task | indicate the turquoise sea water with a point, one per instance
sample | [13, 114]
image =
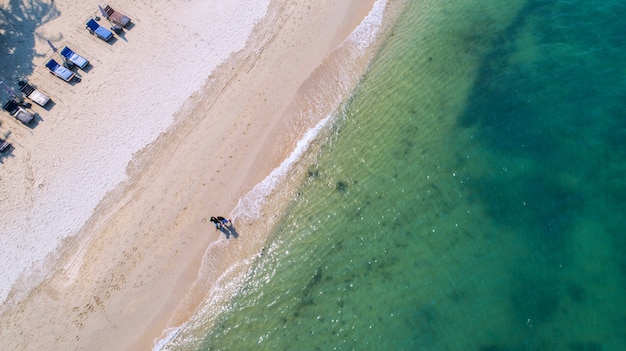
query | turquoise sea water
[470, 196]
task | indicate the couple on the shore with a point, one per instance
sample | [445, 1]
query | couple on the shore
[221, 222]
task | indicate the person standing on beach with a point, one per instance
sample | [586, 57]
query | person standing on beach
[224, 221]
[216, 222]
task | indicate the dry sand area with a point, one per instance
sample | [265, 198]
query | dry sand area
[173, 122]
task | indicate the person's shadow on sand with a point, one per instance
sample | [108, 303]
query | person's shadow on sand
[229, 230]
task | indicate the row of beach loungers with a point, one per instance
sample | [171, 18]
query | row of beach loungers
[18, 109]
[72, 59]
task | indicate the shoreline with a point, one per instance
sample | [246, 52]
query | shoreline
[352, 58]
[143, 252]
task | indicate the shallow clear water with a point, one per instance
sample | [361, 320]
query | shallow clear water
[470, 196]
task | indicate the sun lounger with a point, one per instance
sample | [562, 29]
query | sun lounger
[99, 30]
[74, 58]
[14, 108]
[116, 17]
[4, 146]
[60, 71]
[35, 95]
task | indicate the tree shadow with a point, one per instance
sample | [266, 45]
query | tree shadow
[19, 19]
[8, 151]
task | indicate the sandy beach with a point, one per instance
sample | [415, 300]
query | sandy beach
[106, 198]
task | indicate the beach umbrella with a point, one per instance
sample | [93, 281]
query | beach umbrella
[104, 14]
[9, 90]
[51, 46]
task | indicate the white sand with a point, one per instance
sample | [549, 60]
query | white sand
[62, 168]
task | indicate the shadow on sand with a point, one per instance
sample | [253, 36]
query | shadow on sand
[229, 230]
[18, 36]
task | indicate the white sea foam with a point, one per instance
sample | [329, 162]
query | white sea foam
[249, 206]
[366, 33]
[166, 337]
[223, 289]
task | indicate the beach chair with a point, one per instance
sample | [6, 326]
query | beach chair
[94, 28]
[4, 146]
[74, 58]
[116, 17]
[14, 109]
[59, 71]
[35, 95]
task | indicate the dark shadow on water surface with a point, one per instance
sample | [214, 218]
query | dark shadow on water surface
[552, 134]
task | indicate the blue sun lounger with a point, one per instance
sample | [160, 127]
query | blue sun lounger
[98, 30]
[74, 58]
[60, 71]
